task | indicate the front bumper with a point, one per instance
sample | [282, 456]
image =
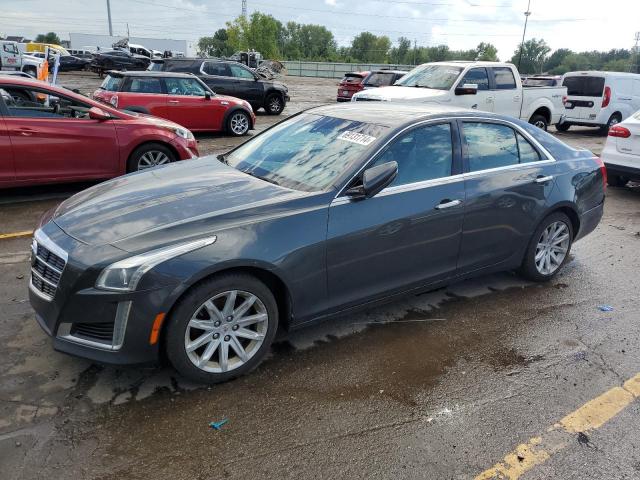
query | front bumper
[104, 326]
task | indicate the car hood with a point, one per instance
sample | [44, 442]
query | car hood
[399, 93]
[182, 200]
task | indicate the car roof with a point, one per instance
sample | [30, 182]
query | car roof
[392, 114]
[601, 73]
[382, 70]
[148, 73]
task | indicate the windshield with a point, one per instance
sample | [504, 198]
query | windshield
[307, 152]
[379, 79]
[111, 84]
[439, 77]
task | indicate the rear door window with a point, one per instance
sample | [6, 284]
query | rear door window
[145, 85]
[503, 78]
[477, 76]
[184, 86]
[489, 145]
[424, 153]
[584, 86]
[240, 72]
[216, 68]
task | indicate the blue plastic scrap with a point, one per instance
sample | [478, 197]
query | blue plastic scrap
[218, 425]
[605, 308]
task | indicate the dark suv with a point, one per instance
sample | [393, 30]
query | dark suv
[230, 78]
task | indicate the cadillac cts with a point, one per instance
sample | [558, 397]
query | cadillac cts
[330, 210]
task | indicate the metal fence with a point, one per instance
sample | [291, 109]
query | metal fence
[335, 70]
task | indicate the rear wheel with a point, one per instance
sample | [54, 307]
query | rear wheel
[563, 127]
[613, 120]
[222, 328]
[548, 248]
[150, 155]
[616, 181]
[238, 123]
[539, 121]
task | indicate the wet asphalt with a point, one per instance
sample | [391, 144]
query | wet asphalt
[440, 385]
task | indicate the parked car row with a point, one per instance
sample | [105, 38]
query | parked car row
[356, 81]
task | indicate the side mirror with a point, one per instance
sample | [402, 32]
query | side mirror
[96, 113]
[207, 95]
[467, 89]
[374, 179]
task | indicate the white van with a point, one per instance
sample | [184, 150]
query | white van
[599, 99]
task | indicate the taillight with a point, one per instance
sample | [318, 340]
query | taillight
[607, 97]
[564, 99]
[603, 170]
[114, 101]
[619, 131]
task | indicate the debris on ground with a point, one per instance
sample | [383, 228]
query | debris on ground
[218, 425]
[20, 277]
[605, 308]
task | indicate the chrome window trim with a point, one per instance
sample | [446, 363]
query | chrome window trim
[341, 199]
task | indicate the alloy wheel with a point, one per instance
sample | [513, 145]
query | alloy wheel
[540, 124]
[552, 247]
[239, 123]
[226, 331]
[275, 105]
[152, 158]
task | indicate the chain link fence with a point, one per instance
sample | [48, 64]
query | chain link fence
[335, 70]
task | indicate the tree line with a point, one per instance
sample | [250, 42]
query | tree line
[295, 41]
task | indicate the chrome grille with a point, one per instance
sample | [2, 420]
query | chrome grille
[46, 266]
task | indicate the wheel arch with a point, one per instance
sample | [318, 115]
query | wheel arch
[271, 279]
[570, 211]
[149, 142]
[544, 111]
[233, 109]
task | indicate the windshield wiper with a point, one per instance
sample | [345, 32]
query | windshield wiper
[270, 180]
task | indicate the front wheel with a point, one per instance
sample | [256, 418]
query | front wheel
[150, 155]
[539, 121]
[563, 127]
[548, 248]
[222, 328]
[274, 104]
[238, 123]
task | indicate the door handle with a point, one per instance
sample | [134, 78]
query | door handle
[26, 132]
[542, 179]
[174, 101]
[448, 204]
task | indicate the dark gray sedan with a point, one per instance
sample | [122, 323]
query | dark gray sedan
[330, 210]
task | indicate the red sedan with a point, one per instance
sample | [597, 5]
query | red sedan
[52, 135]
[350, 84]
[179, 97]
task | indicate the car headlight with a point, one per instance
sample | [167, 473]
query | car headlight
[182, 132]
[124, 276]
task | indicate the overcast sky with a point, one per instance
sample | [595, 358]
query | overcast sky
[461, 24]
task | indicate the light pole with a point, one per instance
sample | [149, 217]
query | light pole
[526, 19]
[109, 17]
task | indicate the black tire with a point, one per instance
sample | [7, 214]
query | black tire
[187, 307]
[616, 181]
[528, 269]
[136, 158]
[274, 104]
[539, 121]
[563, 127]
[613, 120]
[238, 123]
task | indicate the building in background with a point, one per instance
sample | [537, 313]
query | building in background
[91, 41]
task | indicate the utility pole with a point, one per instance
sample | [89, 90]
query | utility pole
[128, 30]
[526, 18]
[109, 16]
[244, 9]
[415, 50]
[634, 67]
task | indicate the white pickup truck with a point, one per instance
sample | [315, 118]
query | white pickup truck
[488, 86]
[12, 59]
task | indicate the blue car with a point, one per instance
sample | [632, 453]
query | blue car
[333, 209]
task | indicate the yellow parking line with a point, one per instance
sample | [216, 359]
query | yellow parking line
[590, 416]
[25, 233]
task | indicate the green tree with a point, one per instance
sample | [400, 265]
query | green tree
[531, 56]
[259, 32]
[556, 59]
[367, 47]
[402, 54]
[50, 37]
[217, 45]
[486, 52]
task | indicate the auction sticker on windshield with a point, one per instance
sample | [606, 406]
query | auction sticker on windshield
[355, 137]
